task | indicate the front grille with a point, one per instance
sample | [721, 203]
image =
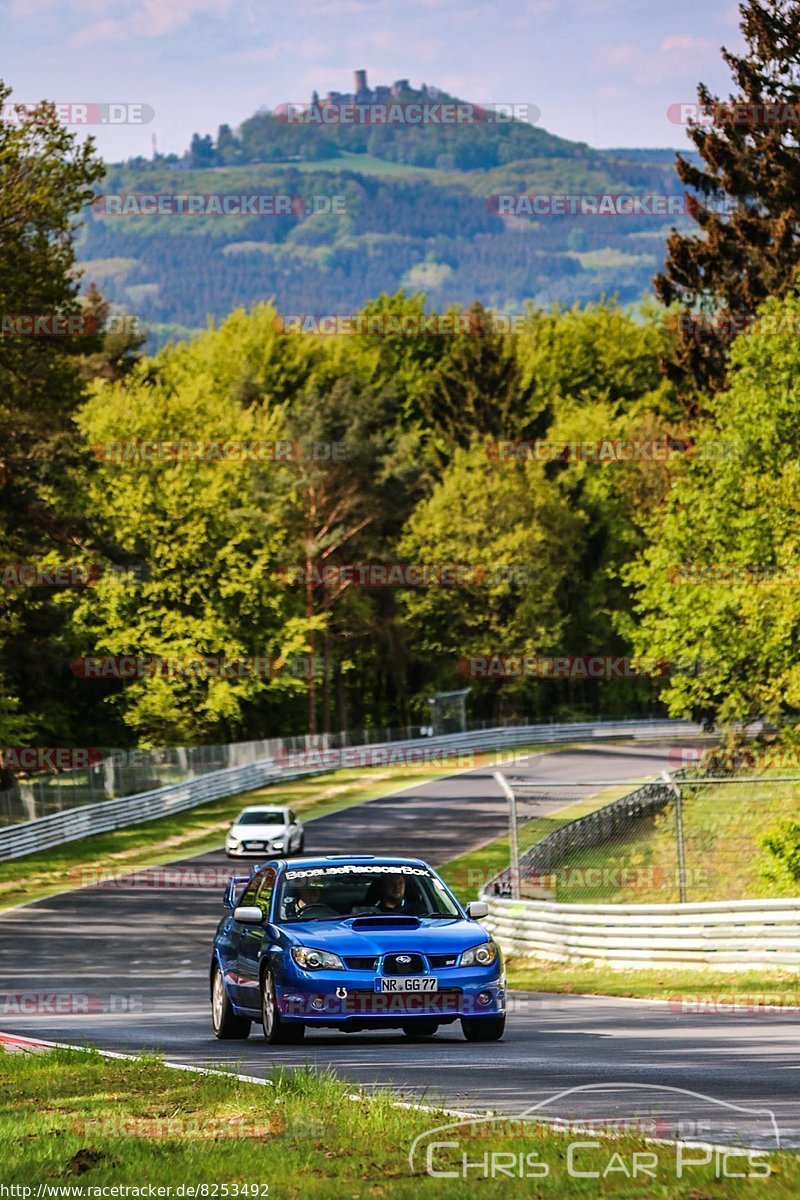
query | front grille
[361, 962]
[361, 1003]
[442, 960]
[393, 966]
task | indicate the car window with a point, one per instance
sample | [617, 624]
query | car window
[335, 893]
[266, 888]
[266, 816]
[249, 897]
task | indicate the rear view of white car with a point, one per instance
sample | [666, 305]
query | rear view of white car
[259, 831]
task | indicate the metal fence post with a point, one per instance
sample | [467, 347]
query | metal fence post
[513, 839]
[665, 775]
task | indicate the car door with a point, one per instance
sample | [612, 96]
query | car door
[252, 938]
[236, 933]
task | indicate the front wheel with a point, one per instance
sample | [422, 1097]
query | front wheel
[483, 1029]
[277, 1031]
[225, 1021]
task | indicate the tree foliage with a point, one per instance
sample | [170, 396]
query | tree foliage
[748, 194]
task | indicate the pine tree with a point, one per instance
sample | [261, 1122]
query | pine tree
[113, 343]
[748, 188]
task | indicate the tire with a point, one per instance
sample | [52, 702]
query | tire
[277, 1031]
[301, 845]
[483, 1029]
[225, 1021]
[420, 1031]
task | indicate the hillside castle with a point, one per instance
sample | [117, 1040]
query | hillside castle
[364, 94]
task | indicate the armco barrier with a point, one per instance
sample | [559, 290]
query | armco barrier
[101, 816]
[68, 826]
[730, 935]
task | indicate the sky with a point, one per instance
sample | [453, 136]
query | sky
[599, 71]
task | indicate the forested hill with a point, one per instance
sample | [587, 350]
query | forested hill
[415, 212]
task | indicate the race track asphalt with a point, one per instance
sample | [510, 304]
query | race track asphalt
[125, 967]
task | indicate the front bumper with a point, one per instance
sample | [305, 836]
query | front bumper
[351, 999]
[240, 852]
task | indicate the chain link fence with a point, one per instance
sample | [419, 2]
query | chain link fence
[689, 837]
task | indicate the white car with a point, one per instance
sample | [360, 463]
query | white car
[265, 832]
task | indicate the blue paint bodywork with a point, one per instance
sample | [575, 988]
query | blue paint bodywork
[352, 998]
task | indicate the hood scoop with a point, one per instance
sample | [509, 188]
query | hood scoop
[386, 921]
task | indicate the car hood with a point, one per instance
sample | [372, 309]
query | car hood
[438, 936]
[257, 831]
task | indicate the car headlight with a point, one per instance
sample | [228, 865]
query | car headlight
[479, 956]
[316, 960]
[231, 840]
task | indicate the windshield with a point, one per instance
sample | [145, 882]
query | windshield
[264, 816]
[352, 890]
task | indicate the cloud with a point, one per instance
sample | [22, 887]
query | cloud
[149, 19]
[678, 56]
[685, 41]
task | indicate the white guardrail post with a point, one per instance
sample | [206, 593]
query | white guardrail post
[513, 834]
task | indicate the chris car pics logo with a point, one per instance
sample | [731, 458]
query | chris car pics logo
[677, 1134]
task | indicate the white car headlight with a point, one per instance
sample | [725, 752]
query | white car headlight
[479, 956]
[231, 840]
[316, 960]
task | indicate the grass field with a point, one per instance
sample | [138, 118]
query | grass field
[757, 990]
[75, 1119]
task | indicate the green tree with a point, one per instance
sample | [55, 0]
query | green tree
[716, 584]
[750, 159]
[510, 525]
[46, 179]
[209, 534]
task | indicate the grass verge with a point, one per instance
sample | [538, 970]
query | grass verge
[76, 1118]
[756, 991]
[202, 829]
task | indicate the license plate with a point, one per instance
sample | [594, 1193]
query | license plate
[409, 983]
[255, 846]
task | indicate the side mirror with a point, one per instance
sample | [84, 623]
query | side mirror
[477, 909]
[231, 888]
[248, 914]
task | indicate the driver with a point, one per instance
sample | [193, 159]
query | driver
[393, 894]
[304, 898]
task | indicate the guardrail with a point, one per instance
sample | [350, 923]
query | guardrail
[727, 934]
[98, 817]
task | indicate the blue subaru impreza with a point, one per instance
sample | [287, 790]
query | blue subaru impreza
[353, 942]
